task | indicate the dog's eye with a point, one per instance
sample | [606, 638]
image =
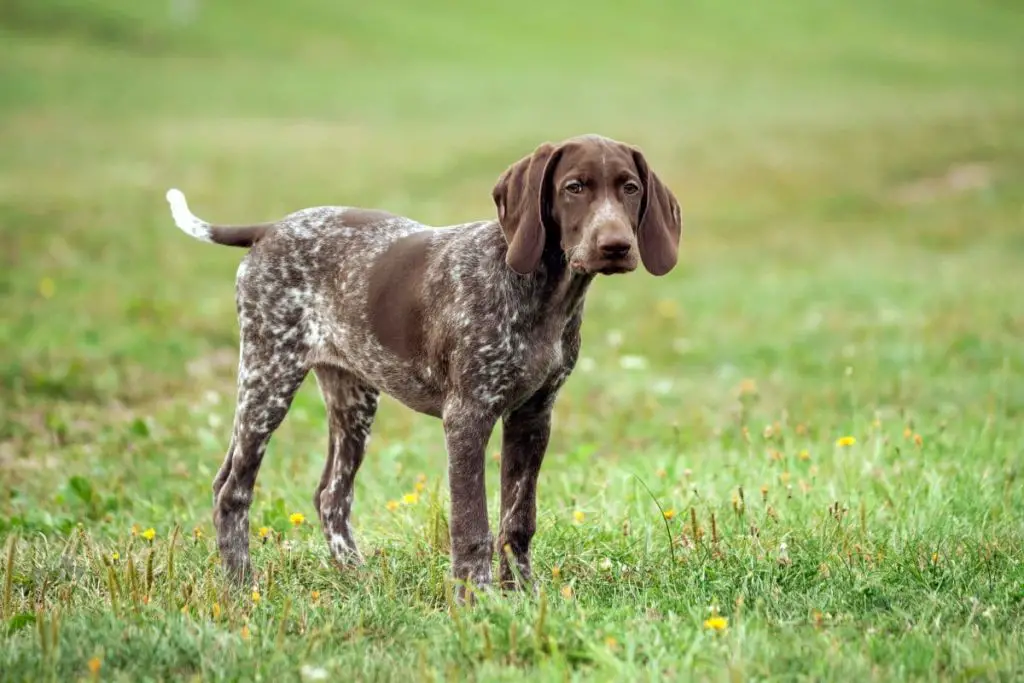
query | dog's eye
[574, 187]
[630, 187]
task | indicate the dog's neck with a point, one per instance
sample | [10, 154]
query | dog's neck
[553, 288]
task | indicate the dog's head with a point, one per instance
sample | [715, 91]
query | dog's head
[597, 199]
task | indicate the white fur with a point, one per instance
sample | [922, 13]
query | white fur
[185, 219]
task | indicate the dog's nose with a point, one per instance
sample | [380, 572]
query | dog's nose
[613, 246]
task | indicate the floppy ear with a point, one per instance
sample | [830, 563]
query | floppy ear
[660, 221]
[522, 196]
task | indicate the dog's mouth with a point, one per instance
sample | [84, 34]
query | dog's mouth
[602, 267]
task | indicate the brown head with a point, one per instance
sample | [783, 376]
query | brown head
[597, 200]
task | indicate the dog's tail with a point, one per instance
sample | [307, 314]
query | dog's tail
[227, 235]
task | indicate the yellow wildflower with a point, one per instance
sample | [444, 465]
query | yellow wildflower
[391, 505]
[716, 623]
[215, 611]
[907, 432]
[804, 455]
[245, 632]
[315, 595]
[149, 534]
[419, 486]
[411, 498]
[578, 516]
[197, 533]
[661, 473]
[256, 597]
[296, 518]
[670, 513]
[666, 308]
[567, 592]
[844, 441]
[264, 532]
[94, 665]
[918, 440]
[611, 643]
[784, 477]
[556, 572]
[935, 558]
[135, 529]
[115, 556]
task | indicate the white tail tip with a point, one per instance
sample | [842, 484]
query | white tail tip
[184, 219]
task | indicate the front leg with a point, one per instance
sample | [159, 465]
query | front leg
[467, 428]
[524, 441]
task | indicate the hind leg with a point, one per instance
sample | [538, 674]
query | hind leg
[272, 364]
[351, 407]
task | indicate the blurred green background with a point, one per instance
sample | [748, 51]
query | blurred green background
[852, 183]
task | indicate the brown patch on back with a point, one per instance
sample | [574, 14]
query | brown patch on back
[395, 295]
[360, 218]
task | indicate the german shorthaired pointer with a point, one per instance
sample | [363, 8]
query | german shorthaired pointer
[470, 324]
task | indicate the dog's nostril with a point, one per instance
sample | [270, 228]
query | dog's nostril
[613, 247]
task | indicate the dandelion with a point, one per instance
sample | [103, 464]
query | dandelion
[611, 643]
[935, 558]
[907, 432]
[845, 441]
[256, 597]
[245, 632]
[804, 455]
[115, 556]
[411, 498]
[918, 440]
[215, 610]
[716, 623]
[670, 513]
[94, 665]
[567, 592]
[578, 516]
[149, 534]
[748, 387]
[764, 492]
[315, 595]
[197, 533]
[556, 572]
[419, 486]
[784, 477]
[264, 532]
[296, 518]
[391, 505]
[135, 529]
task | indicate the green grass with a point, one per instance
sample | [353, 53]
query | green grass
[852, 180]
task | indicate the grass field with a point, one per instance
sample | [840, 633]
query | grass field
[813, 428]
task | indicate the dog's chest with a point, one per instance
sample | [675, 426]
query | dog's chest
[510, 365]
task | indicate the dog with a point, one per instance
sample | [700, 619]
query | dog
[470, 324]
